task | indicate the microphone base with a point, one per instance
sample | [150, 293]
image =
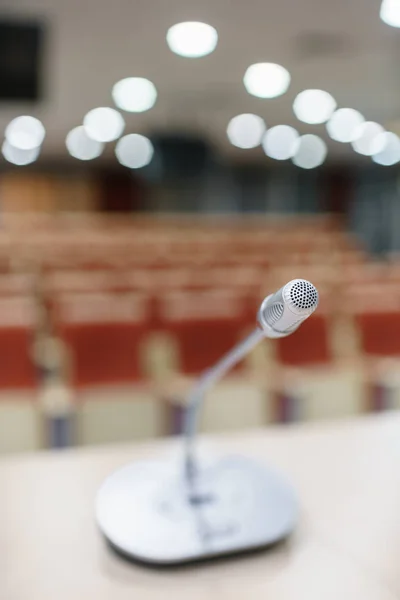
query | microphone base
[147, 512]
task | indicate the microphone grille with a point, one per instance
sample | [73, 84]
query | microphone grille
[303, 295]
[274, 313]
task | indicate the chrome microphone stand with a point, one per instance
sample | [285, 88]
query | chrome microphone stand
[196, 397]
[161, 514]
[213, 375]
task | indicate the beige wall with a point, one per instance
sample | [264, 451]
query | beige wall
[35, 192]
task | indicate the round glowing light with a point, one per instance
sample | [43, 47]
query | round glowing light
[280, 142]
[266, 80]
[390, 12]
[310, 152]
[314, 106]
[17, 156]
[365, 138]
[25, 133]
[246, 131]
[389, 153]
[343, 124]
[134, 94]
[134, 151]
[81, 146]
[104, 124]
[192, 39]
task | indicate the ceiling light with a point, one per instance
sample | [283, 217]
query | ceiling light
[104, 124]
[25, 133]
[246, 131]
[365, 136]
[280, 142]
[19, 157]
[310, 152]
[134, 151]
[266, 80]
[81, 146]
[343, 124]
[314, 106]
[390, 12]
[389, 153]
[192, 39]
[134, 94]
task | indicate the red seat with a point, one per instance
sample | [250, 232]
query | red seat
[17, 319]
[380, 333]
[309, 346]
[376, 308]
[104, 333]
[16, 284]
[74, 281]
[206, 324]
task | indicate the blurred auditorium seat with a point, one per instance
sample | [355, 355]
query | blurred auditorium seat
[104, 333]
[16, 284]
[206, 325]
[102, 275]
[376, 308]
[74, 281]
[311, 383]
[20, 422]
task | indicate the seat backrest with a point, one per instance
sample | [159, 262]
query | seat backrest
[17, 325]
[376, 309]
[75, 281]
[16, 284]
[104, 333]
[380, 332]
[206, 324]
[308, 346]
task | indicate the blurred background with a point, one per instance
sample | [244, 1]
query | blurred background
[164, 167]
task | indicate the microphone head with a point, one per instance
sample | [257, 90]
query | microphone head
[301, 296]
[283, 312]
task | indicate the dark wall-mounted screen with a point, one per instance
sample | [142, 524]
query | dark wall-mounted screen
[21, 46]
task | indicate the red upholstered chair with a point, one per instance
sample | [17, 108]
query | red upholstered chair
[311, 378]
[17, 321]
[376, 310]
[206, 325]
[380, 331]
[104, 334]
[309, 347]
[372, 275]
[16, 284]
[156, 280]
[77, 281]
[19, 414]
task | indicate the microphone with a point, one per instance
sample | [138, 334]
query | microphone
[280, 314]
[160, 514]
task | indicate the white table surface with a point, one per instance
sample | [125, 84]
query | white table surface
[346, 546]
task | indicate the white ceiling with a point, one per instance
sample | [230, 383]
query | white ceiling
[94, 43]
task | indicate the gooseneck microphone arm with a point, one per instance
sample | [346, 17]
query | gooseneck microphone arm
[280, 315]
[196, 397]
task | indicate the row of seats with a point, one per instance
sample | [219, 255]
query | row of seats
[252, 279]
[105, 335]
[108, 242]
[124, 379]
[374, 306]
[82, 259]
[108, 333]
